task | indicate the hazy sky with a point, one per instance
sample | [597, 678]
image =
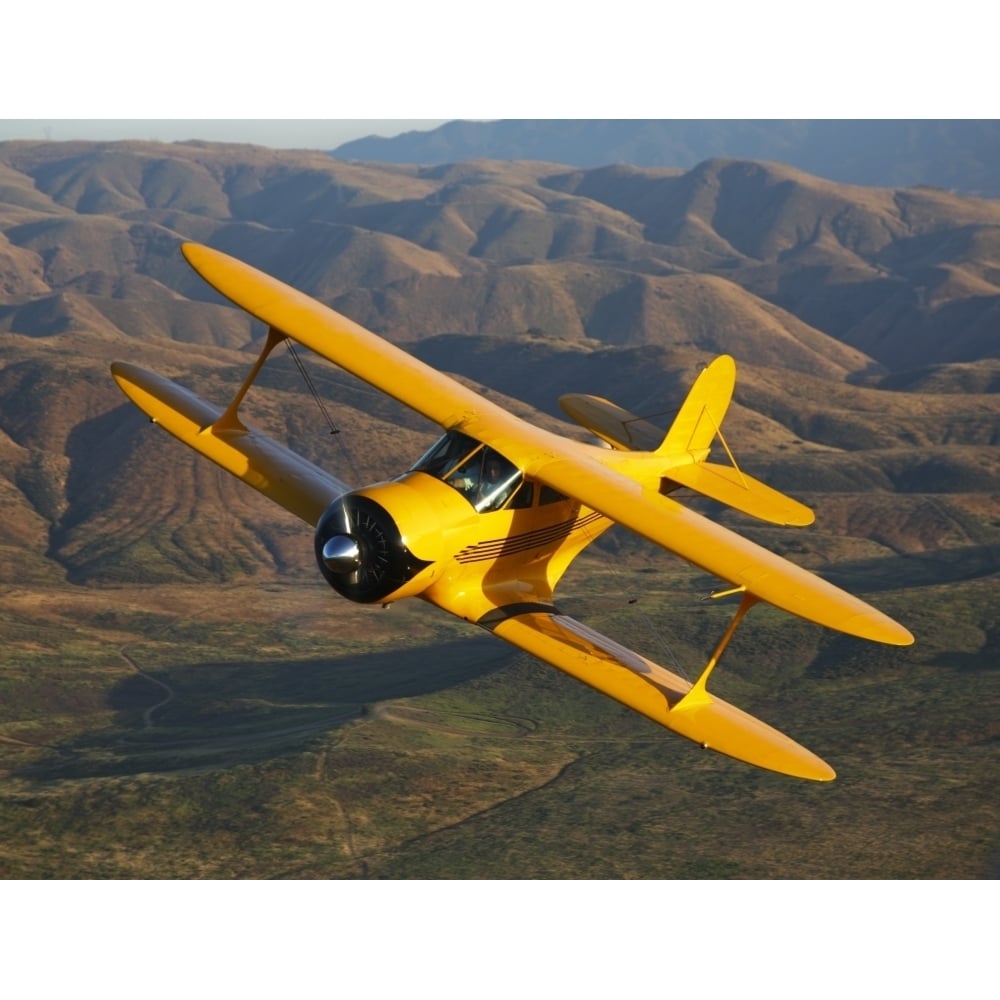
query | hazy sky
[296, 133]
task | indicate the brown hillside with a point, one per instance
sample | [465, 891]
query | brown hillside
[527, 279]
[183, 696]
[905, 276]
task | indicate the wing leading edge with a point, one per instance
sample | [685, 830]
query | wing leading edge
[719, 551]
[270, 468]
[342, 341]
[657, 693]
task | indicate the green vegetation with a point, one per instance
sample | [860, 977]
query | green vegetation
[299, 736]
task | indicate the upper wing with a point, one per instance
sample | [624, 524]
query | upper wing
[720, 551]
[656, 692]
[342, 341]
[585, 472]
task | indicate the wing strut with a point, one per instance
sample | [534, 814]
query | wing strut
[698, 695]
[230, 421]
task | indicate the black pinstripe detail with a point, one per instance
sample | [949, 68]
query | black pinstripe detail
[499, 615]
[512, 544]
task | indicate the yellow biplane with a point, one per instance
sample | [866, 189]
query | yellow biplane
[485, 524]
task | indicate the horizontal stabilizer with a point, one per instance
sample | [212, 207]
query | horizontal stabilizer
[658, 693]
[271, 468]
[612, 423]
[734, 488]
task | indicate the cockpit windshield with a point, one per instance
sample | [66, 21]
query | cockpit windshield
[483, 476]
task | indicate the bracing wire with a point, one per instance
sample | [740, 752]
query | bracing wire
[318, 399]
[666, 652]
[307, 378]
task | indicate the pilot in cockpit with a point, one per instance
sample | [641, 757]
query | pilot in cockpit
[484, 477]
[484, 480]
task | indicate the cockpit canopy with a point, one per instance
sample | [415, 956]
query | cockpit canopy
[482, 475]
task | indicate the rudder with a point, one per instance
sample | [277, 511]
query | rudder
[700, 417]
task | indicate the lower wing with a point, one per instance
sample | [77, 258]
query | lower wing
[656, 693]
[269, 467]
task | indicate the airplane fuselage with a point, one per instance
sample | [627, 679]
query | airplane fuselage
[422, 535]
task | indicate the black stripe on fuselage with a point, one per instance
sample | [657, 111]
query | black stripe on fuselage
[512, 544]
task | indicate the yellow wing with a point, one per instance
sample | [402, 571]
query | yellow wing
[657, 693]
[597, 477]
[342, 341]
[269, 467]
[721, 552]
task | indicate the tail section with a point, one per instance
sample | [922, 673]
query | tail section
[683, 452]
[699, 420]
[687, 444]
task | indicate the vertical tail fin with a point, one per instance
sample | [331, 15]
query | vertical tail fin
[695, 426]
[700, 417]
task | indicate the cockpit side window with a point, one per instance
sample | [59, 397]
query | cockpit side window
[549, 495]
[523, 497]
[483, 476]
[445, 454]
[486, 479]
[499, 480]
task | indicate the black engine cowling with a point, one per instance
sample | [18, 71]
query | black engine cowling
[360, 550]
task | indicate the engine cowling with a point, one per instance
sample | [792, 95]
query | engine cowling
[361, 552]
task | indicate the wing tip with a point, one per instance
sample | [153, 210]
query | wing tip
[201, 257]
[800, 516]
[904, 637]
[884, 629]
[196, 254]
[823, 772]
[718, 725]
[782, 756]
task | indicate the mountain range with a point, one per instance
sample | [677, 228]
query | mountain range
[957, 155]
[181, 696]
[863, 321]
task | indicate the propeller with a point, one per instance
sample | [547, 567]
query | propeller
[360, 550]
